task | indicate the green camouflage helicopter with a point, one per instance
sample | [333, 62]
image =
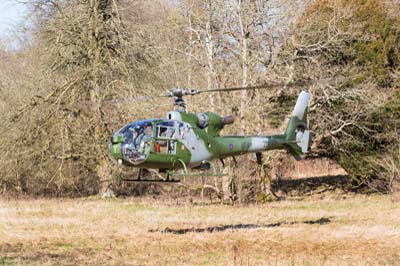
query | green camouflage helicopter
[186, 140]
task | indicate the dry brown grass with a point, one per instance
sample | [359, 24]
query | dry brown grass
[360, 230]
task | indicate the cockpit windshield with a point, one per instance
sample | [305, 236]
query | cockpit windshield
[136, 141]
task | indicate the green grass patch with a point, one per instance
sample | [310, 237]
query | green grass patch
[4, 261]
[62, 246]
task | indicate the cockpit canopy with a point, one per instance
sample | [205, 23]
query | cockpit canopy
[135, 140]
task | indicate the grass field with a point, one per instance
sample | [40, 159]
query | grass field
[334, 230]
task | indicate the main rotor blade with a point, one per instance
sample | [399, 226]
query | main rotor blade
[114, 101]
[129, 99]
[263, 86]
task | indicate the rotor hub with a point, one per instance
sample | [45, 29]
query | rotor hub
[178, 94]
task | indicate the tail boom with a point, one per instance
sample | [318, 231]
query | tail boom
[296, 139]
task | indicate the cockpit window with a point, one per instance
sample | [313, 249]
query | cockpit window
[171, 129]
[165, 132]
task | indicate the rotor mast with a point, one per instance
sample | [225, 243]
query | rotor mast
[178, 94]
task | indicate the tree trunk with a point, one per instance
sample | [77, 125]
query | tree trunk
[244, 52]
[210, 63]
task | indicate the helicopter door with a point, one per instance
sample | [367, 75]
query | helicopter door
[171, 147]
[165, 143]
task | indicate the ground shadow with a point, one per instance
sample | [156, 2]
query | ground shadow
[232, 227]
[313, 185]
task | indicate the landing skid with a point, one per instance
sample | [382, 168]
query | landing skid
[186, 172]
[170, 174]
[143, 173]
[152, 181]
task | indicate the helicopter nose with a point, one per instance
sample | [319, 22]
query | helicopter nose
[115, 149]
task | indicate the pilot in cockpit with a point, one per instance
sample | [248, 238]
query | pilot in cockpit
[148, 130]
[145, 136]
[136, 135]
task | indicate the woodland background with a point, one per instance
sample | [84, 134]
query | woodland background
[79, 69]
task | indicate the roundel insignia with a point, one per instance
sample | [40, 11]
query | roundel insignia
[231, 147]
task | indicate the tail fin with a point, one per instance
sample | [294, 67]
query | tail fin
[297, 134]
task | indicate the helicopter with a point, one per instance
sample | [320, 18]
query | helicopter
[185, 140]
